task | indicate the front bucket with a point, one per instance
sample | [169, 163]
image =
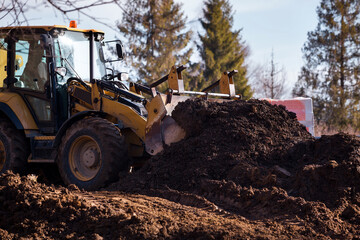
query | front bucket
[164, 132]
[161, 128]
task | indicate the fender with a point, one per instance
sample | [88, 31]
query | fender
[73, 119]
[13, 106]
[7, 111]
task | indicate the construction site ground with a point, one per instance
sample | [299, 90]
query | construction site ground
[246, 170]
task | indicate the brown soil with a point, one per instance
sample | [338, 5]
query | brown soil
[246, 170]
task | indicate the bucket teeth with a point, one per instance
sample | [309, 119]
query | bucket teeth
[153, 139]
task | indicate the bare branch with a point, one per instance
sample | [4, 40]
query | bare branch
[75, 8]
[16, 11]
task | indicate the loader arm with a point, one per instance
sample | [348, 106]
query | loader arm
[99, 99]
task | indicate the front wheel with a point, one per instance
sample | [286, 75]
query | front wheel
[92, 154]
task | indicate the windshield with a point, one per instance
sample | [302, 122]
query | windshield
[72, 52]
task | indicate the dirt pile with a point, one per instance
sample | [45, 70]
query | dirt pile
[247, 169]
[254, 159]
[35, 211]
[242, 141]
[332, 170]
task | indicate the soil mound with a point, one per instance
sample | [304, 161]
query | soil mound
[332, 170]
[247, 169]
[252, 144]
[255, 159]
[30, 210]
[247, 142]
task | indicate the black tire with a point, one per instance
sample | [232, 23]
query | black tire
[14, 148]
[92, 153]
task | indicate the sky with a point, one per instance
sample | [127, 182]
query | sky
[278, 25]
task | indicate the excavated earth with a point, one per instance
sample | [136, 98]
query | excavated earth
[246, 170]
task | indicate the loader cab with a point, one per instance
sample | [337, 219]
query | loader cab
[36, 62]
[24, 69]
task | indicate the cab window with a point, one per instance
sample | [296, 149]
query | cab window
[30, 68]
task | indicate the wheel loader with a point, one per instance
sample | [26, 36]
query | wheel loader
[61, 102]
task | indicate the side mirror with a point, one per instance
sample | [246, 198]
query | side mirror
[119, 51]
[111, 51]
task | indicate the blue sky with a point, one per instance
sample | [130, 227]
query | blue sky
[281, 25]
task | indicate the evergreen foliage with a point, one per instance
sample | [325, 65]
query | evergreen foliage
[221, 49]
[331, 71]
[156, 36]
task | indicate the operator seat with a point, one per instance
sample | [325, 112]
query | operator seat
[35, 72]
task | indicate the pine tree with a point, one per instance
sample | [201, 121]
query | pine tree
[331, 71]
[154, 30]
[221, 48]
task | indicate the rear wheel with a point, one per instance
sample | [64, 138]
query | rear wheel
[92, 154]
[13, 147]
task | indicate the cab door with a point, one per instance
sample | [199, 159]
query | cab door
[31, 78]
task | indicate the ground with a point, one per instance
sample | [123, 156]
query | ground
[246, 170]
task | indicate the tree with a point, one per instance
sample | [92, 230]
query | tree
[331, 71]
[154, 30]
[270, 82]
[221, 48]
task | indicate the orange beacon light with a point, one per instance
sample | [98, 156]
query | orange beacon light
[73, 24]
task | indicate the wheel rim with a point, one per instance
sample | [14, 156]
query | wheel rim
[2, 155]
[85, 158]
